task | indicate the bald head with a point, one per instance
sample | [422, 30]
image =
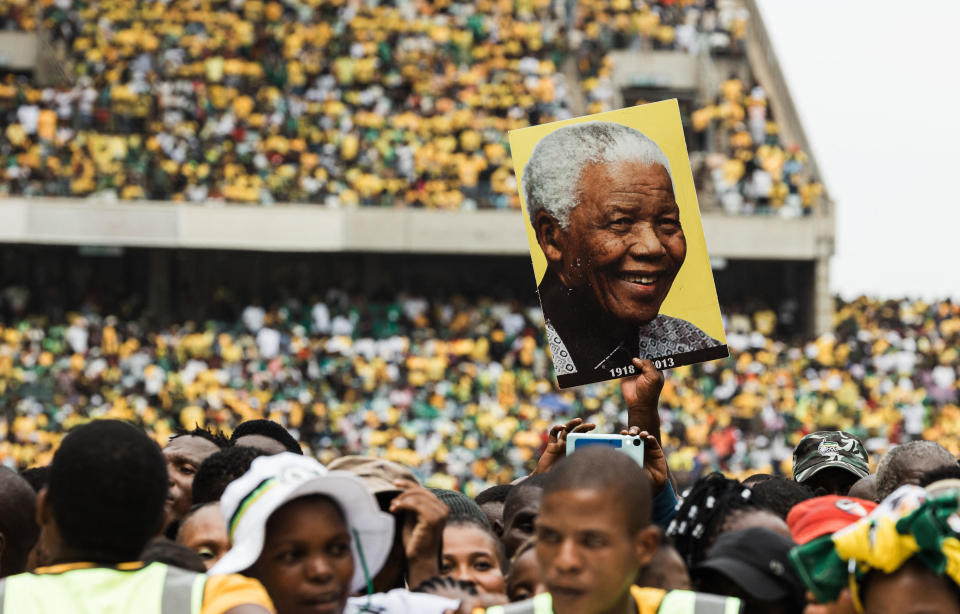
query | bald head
[18, 524]
[601, 468]
[906, 463]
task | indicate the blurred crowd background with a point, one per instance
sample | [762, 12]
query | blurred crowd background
[463, 391]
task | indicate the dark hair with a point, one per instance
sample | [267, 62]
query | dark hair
[163, 550]
[780, 494]
[219, 469]
[267, 428]
[216, 437]
[461, 507]
[756, 478]
[602, 468]
[496, 493]
[37, 477]
[702, 512]
[947, 472]
[18, 521]
[108, 483]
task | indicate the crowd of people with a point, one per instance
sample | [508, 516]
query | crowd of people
[409, 455]
[463, 393]
[252, 523]
[325, 102]
[332, 103]
[690, 27]
[754, 171]
[18, 16]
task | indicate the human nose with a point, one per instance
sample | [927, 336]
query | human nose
[567, 559]
[462, 572]
[645, 243]
[318, 569]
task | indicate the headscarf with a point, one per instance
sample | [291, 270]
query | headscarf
[911, 523]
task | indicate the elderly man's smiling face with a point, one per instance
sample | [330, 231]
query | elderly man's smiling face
[624, 241]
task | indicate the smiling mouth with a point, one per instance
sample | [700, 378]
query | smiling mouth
[641, 279]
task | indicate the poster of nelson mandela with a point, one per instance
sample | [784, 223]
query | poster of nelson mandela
[617, 243]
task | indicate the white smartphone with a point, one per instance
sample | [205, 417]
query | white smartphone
[628, 444]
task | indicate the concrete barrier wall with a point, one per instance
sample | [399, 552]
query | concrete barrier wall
[298, 228]
[18, 50]
[666, 69]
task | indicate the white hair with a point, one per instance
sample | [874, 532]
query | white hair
[552, 174]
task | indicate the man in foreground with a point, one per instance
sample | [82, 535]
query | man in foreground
[594, 534]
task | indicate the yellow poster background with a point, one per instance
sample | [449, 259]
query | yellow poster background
[693, 296]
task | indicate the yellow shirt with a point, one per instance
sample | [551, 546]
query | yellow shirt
[647, 599]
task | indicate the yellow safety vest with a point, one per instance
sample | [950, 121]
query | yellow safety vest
[673, 602]
[154, 589]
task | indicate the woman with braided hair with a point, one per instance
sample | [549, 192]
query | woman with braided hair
[715, 505]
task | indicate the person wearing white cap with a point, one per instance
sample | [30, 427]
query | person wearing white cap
[312, 537]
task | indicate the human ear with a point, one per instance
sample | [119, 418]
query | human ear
[44, 512]
[646, 542]
[549, 236]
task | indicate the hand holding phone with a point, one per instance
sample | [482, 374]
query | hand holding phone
[632, 445]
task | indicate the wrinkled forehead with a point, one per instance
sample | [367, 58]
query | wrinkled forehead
[614, 173]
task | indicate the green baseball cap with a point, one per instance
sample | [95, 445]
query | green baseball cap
[823, 449]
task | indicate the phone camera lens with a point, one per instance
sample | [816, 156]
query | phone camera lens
[637, 441]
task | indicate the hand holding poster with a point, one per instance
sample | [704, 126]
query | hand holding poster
[617, 243]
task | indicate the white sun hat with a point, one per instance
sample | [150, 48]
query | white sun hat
[272, 481]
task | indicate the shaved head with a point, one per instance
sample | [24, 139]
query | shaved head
[601, 468]
[906, 463]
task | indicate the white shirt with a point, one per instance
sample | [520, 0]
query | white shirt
[253, 317]
[400, 601]
[268, 342]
